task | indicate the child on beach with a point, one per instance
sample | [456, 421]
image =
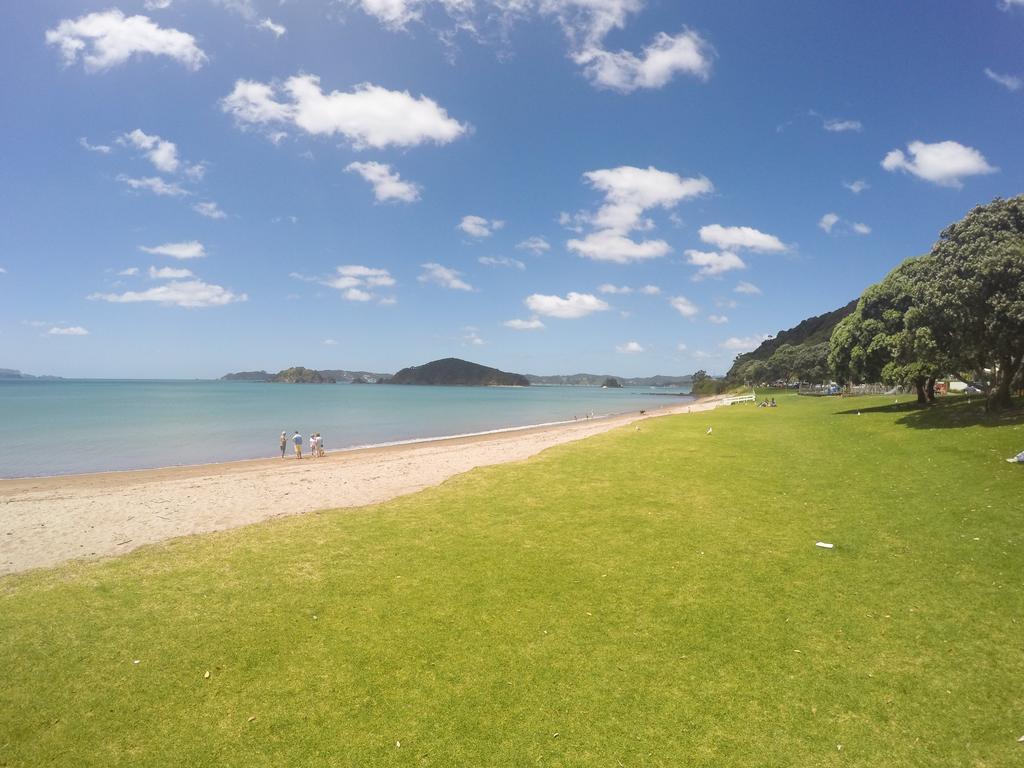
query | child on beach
[284, 443]
[320, 443]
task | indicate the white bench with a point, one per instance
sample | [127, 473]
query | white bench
[751, 398]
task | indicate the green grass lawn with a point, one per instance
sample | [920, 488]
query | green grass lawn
[647, 598]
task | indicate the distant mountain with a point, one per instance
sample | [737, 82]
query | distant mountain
[453, 372]
[290, 376]
[598, 380]
[11, 373]
[810, 332]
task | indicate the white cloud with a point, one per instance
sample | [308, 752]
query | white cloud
[330, 342]
[747, 288]
[713, 263]
[188, 293]
[1006, 5]
[861, 228]
[210, 210]
[681, 347]
[614, 289]
[535, 245]
[368, 115]
[943, 163]
[387, 185]
[629, 348]
[355, 282]
[857, 186]
[650, 290]
[103, 149]
[157, 5]
[573, 306]
[108, 38]
[744, 344]
[684, 306]
[271, 26]
[472, 337]
[842, 126]
[169, 273]
[129, 272]
[629, 192]
[153, 184]
[73, 330]
[479, 227]
[728, 238]
[501, 261]
[533, 324]
[3, 271]
[718, 319]
[444, 277]
[666, 56]
[828, 221]
[1010, 82]
[161, 153]
[191, 249]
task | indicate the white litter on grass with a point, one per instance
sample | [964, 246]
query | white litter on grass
[824, 545]
[708, 432]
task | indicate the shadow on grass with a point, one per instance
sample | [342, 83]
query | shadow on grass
[949, 414]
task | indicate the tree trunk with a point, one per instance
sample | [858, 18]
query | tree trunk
[922, 396]
[999, 398]
[930, 389]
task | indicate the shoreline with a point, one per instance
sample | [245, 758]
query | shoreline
[46, 521]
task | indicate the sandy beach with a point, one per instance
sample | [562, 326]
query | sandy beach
[48, 521]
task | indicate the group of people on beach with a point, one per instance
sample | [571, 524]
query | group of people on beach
[316, 444]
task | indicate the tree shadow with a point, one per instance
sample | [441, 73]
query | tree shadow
[953, 413]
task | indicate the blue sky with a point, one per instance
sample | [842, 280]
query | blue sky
[198, 186]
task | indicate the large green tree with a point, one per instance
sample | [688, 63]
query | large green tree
[972, 302]
[876, 342]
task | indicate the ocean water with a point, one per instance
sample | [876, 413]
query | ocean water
[64, 427]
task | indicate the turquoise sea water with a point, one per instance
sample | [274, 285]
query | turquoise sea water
[63, 427]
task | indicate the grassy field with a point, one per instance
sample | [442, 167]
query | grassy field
[647, 598]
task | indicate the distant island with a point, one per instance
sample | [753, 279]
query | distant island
[11, 373]
[600, 380]
[611, 383]
[300, 375]
[453, 372]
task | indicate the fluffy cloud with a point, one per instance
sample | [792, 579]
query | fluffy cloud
[444, 277]
[857, 186]
[860, 228]
[629, 192]
[108, 38]
[153, 184]
[650, 290]
[355, 282]
[832, 223]
[535, 245]
[129, 272]
[192, 249]
[271, 26]
[744, 344]
[686, 53]
[842, 126]
[629, 348]
[73, 330]
[533, 324]
[187, 293]
[728, 238]
[368, 115]
[718, 319]
[479, 227]
[573, 306]
[161, 153]
[103, 149]
[943, 163]
[828, 221]
[747, 288]
[1010, 82]
[714, 263]
[387, 185]
[684, 306]
[501, 261]
[169, 273]
[614, 289]
[210, 210]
